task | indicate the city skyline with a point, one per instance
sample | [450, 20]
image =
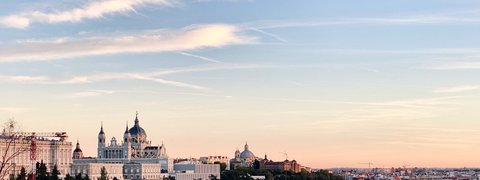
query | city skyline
[333, 84]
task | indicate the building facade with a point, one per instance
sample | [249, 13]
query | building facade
[216, 160]
[49, 151]
[246, 158]
[134, 152]
[189, 170]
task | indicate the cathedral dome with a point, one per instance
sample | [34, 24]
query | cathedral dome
[136, 130]
[246, 153]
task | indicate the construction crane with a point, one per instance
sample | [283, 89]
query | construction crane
[369, 164]
[285, 154]
[33, 136]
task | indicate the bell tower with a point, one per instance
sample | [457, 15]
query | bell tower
[101, 143]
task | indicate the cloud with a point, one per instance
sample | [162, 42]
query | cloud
[155, 76]
[189, 38]
[91, 10]
[91, 93]
[398, 20]
[457, 89]
[22, 79]
[454, 66]
[13, 109]
[269, 34]
[199, 57]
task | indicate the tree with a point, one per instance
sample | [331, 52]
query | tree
[212, 177]
[69, 177]
[86, 177]
[41, 171]
[8, 139]
[78, 176]
[223, 166]
[103, 174]
[55, 173]
[23, 174]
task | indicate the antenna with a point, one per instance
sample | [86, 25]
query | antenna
[285, 154]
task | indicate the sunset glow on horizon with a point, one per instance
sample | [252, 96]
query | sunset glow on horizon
[331, 83]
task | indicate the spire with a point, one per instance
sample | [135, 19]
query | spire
[78, 144]
[101, 129]
[136, 118]
[246, 145]
[126, 129]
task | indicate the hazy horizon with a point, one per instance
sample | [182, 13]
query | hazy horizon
[332, 83]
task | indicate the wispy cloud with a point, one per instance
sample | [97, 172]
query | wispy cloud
[454, 66]
[13, 109]
[269, 34]
[22, 79]
[156, 76]
[189, 38]
[91, 93]
[457, 89]
[199, 57]
[90, 10]
[398, 20]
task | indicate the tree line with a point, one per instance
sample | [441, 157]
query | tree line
[42, 173]
[247, 173]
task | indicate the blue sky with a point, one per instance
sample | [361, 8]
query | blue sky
[333, 83]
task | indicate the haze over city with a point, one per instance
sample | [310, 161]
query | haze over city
[332, 83]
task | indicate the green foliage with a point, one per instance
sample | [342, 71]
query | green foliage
[78, 176]
[103, 174]
[223, 166]
[55, 173]
[42, 173]
[86, 177]
[247, 173]
[169, 178]
[212, 177]
[23, 174]
[69, 177]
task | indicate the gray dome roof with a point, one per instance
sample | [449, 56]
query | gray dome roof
[247, 154]
[137, 130]
[77, 149]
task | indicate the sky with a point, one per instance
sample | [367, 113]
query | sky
[331, 83]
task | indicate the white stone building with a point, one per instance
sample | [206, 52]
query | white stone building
[49, 151]
[189, 170]
[215, 160]
[135, 153]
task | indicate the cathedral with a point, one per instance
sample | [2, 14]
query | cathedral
[134, 145]
[133, 157]
[246, 158]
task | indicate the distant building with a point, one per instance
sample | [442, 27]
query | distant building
[189, 170]
[281, 165]
[216, 160]
[246, 158]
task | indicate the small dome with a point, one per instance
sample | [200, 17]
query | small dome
[77, 150]
[247, 154]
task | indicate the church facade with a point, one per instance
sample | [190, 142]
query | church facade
[134, 153]
[246, 158]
